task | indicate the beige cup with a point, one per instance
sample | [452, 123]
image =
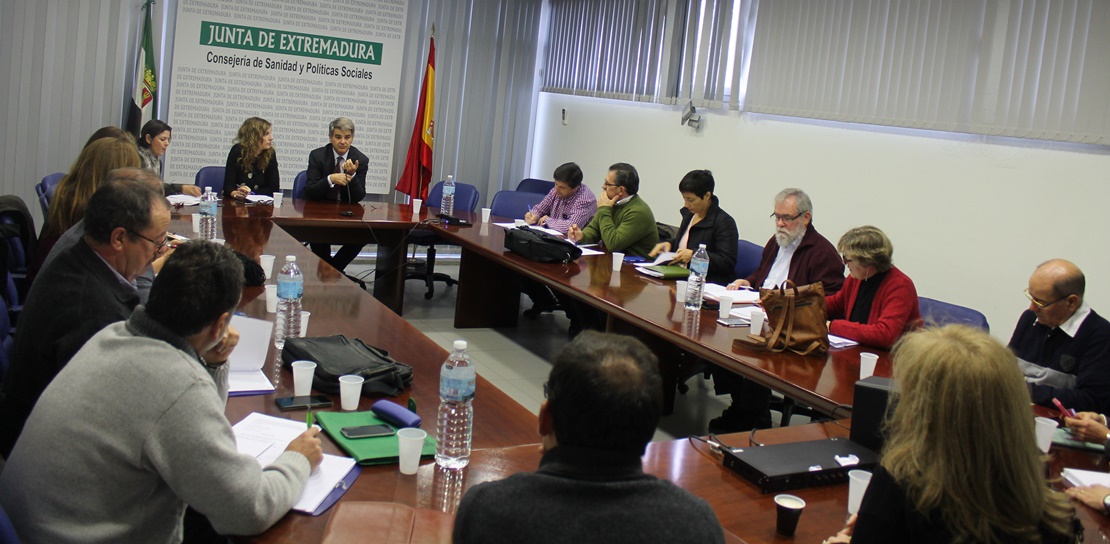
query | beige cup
[271, 299]
[350, 390]
[867, 362]
[302, 378]
[410, 441]
[267, 263]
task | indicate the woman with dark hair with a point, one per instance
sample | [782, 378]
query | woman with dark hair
[703, 222]
[252, 166]
[878, 302]
[153, 142]
[949, 472]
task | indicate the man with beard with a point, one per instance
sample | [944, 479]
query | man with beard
[797, 252]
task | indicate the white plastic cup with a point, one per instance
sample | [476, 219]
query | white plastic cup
[857, 486]
[485, 214]
[1045, 429]
[726, 307]
[218, 241]
[267, 262]
[304, 323]
[759, 317]
[680, 290]
[271, 299]
[278, 196]
[416, 203]
[196, 222]
[867, 362]
[618, 261]
[302, 378]
[410, 441]
[350, 390]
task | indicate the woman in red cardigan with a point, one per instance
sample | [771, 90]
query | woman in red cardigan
[878, 302]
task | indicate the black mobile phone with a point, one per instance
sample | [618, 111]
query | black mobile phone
[733, 321]
[367, 431]
[297, 403]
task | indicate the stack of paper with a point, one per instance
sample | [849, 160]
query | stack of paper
[184, 200]
[841, 342]
[1085, 477]
[740, 296]
[245, 376]
[260, 199]
[266, 437]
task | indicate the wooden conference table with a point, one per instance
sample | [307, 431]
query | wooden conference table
[489, 296]
[505, 436]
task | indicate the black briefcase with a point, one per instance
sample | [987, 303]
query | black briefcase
[540, 246]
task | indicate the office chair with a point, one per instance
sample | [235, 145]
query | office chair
[211, 176]
[514, 204]
[7, 341]
[533, 185]
[299, 182]
[938, 314]
[466, 199]
[748, 256]
[44, 190]
[7, 530]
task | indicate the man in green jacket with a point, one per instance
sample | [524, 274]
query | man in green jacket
[623, 221]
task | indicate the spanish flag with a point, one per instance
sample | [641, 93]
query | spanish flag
[144, 98]
[417, 175]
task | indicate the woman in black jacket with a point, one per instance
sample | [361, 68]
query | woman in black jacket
[703, 222]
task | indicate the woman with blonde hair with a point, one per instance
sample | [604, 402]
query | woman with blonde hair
[73, 192]
[878, 302]
[961, 462]
[252, 166]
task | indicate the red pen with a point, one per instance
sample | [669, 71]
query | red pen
[1065, 411]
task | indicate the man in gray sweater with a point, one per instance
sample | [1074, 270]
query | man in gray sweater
[133, 428]
[604, 397]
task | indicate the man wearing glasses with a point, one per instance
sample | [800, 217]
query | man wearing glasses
[85, 288]
[623, 221]
[796, 252]
[1062, 345]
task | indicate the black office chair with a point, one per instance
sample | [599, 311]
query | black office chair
[466, 199]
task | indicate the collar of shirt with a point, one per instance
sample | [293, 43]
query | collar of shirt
[337, 156]
[624, 200]
[1071, 326]
[122, 280]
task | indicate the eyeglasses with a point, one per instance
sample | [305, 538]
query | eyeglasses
[605, 184]
[1039, 304]
[846, 259]
[157, 245]
[786, 218]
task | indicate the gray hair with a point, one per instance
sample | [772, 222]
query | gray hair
[341, 123]
[800, 198]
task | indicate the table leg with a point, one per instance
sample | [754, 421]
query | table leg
[389, 269]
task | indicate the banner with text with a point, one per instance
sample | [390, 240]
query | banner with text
[299, 65]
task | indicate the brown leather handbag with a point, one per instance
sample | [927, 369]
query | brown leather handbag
[796, 320]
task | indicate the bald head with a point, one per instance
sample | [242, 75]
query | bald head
[1064, 277]
[141, 175]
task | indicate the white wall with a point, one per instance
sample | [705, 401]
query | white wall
[969, 220]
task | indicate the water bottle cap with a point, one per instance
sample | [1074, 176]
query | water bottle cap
[459, 345]
[207, 188]
[450, 177]
[290, 258]
[701, 246]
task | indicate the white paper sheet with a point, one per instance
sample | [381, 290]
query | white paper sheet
[257, 429]
[184, 200]
[586, 251]
[841, 342]
[260, 199]
[740, 296]
[245, 370]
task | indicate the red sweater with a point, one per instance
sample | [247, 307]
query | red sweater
[893, 312]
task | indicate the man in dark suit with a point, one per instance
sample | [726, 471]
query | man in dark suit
[337, 173]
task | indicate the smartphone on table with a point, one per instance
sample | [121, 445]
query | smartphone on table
[299, 403]
[367, 431]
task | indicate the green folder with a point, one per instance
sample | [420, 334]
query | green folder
[667, 271]
[1063, 437]
[366, 451]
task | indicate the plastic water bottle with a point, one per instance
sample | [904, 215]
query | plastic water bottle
[695, 284]
[208, 205]
[455, 423]
[290, 289]
[447, 204]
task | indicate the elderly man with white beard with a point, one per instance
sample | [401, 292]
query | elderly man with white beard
[797, 252]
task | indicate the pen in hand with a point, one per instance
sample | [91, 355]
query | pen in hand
[308, 418]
